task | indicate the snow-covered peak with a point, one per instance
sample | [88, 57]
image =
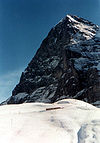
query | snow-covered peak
[83, 27]
[71, 19]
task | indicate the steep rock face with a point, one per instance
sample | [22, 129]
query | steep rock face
[67, 65]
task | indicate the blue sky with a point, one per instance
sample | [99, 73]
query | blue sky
[23, 26]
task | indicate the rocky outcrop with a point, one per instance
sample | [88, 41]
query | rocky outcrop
[67, 65]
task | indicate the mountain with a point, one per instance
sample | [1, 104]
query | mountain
[66, 121]
[67, 65]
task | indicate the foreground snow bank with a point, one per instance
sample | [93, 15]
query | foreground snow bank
[66, 121]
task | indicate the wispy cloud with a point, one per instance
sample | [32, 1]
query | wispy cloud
[7, 83]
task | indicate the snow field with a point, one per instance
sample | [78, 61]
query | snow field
[75, 122]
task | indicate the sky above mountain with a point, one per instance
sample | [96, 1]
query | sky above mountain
[23, 26]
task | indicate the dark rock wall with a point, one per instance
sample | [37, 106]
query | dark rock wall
[65, 66]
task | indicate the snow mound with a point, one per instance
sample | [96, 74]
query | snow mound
[66, 121]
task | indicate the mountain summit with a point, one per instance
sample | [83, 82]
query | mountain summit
[67, 65]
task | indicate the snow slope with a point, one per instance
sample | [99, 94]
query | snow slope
[75, 122]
